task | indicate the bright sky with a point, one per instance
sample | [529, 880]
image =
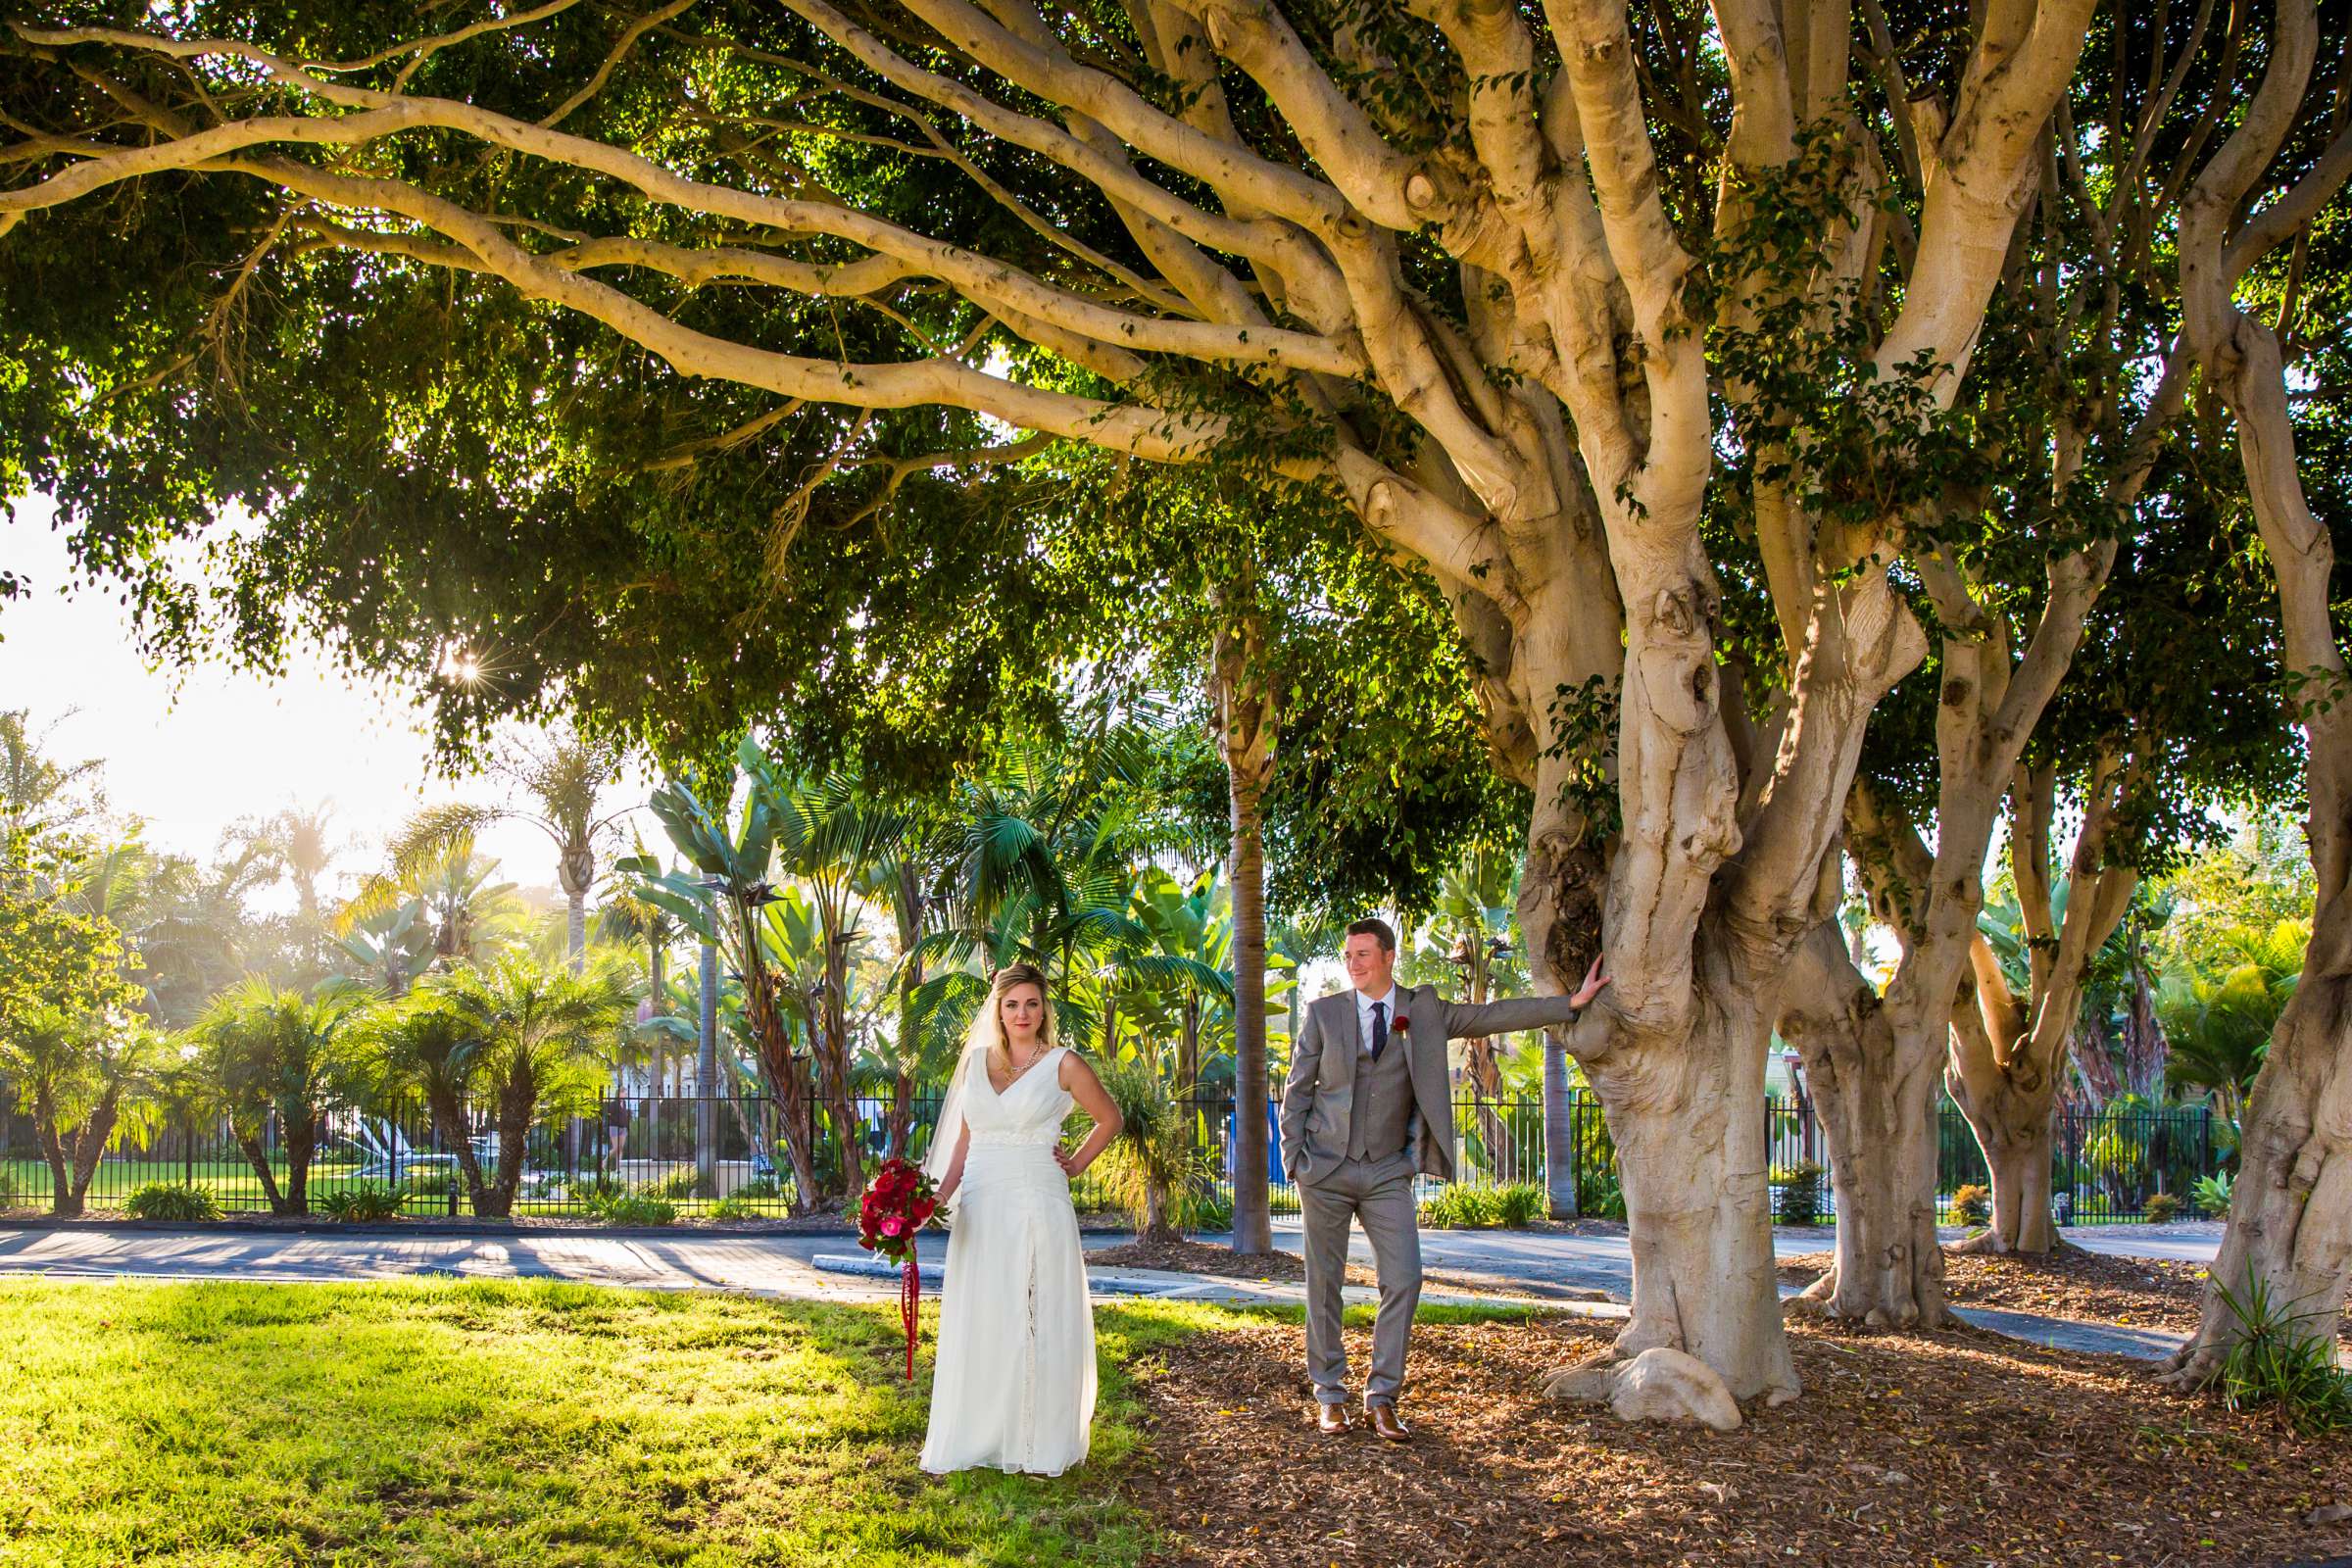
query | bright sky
[193, 751]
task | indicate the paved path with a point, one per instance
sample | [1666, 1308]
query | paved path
[1605, 1262]
[1523, 1264]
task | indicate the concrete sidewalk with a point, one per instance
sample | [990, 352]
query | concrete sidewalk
[1526, 1269]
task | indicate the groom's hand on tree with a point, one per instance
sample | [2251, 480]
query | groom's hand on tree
[1593, 981]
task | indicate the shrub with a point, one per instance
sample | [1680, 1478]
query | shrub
[2277, 1360]
[11, 1196]
[736, 1207]
[1204, 1210]
[1463, 1208]
[759, 1187]
[2162, 1209]
[1153, 1166]
[170, 1201]
[632, 1209]
[364, 1201]
[682, 1183]
[1800, 1194]
[1602, 1198]
[2212, 1195]
[1522, 1204]
[1972, 1205]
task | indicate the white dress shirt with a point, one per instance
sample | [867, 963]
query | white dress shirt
[1363, 1018]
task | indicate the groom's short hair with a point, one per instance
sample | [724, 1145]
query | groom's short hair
[1375, 928]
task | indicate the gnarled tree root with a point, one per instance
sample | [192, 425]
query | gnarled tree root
[1661, 1384]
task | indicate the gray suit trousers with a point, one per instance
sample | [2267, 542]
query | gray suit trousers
[1378, 1195]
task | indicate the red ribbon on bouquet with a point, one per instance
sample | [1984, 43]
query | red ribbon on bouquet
[900, 1203]
[910, 1302]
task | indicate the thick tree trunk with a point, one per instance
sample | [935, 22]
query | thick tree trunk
[2146, 1052]
[63, 1199]
[2091, 1053]
[449, 1118]
[1874, 1087]
[2289, 1239]
[1687, 1120]
[2019, 1155]
[1689, 1134]
[301, 1144]
[1252, 1220]
[257, 1157]
[518, 1099]
[74, 1163]
[1158, 1226]
[902, 1111]
[2011, 1110]
[2291, 1213]
[575, 868]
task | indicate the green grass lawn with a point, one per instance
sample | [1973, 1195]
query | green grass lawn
[434, 1423]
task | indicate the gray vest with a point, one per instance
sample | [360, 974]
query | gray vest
[1380, 1122]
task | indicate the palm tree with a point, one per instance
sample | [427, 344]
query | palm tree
[394, 946]
[1241, 695]
[455, 899]
[1189, 964]
[1472, 929]
[2219, 1024]
[81, 1077]
[188, 923]
[565, 776]
[626, 916]
[301, 847]
[1039, 856]
[833, 840]
[720, 902]
[271, 1052]
[902, 881]
[513, 1033]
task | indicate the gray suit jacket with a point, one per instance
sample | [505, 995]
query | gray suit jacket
[1320, 1091]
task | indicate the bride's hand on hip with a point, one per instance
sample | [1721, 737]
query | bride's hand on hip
[1068, 1160]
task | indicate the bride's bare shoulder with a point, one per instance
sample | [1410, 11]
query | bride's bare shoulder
[1074, 1069]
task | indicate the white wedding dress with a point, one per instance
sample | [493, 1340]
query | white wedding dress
[1014, 1384]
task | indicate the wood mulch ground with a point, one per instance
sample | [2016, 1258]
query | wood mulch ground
[2143, 1292]
[1954, 1449]
[1288, 1268]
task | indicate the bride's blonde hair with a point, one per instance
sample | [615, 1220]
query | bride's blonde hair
[988, 1027]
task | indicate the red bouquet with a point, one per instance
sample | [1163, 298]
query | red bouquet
[899, 1202]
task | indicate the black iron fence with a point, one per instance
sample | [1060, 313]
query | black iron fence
[726, 1156]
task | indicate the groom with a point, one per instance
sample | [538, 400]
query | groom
[1366, 1106]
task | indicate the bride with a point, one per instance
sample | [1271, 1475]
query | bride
[1014, 1384]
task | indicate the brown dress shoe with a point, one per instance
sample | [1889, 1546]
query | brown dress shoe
[1385, 1423]
[1331, 1419]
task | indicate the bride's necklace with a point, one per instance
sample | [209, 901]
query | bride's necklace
[1021, 1068]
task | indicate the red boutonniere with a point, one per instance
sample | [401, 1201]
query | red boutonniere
[1400, 1025]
